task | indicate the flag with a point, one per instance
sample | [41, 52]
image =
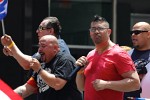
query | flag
[6, 93]
[3, 8]
[141, 99]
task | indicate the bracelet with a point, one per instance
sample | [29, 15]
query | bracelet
[11, 45]
[39, 70]
[80, 72]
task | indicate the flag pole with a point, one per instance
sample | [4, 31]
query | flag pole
[3, 27]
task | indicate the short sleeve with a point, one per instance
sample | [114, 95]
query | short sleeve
[64, 69]
[124, 63]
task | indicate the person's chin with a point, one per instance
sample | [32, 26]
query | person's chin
[42, 58]
[136, 46]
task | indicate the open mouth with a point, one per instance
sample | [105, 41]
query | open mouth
[134, 40]
[42, 55]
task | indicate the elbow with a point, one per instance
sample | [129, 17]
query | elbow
[25, 66]
[80, 88]
[58, 87]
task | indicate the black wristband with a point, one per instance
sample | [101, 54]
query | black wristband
[39, 70]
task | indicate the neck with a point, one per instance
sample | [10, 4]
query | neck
[100, 48]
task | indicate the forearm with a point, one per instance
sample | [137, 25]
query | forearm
[125, 85]
[21, 58]
[51, 80]
[22, 91]
[80, 81]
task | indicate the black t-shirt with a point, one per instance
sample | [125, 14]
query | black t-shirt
[61, 66]
[138, 56]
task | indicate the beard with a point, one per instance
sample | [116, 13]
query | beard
[96, 39]
[136, 46]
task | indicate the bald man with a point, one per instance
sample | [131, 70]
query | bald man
[140, 36]
[50, 80]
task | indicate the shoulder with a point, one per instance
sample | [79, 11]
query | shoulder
[119, 53]
[130, 52]
[65, 56]
[91, 54]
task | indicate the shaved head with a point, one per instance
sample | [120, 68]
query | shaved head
[49, 38]
[48, 47]
[142, 25]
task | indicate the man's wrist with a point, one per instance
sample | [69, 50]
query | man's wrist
[80, 72]
[39, 70]
[11, 45]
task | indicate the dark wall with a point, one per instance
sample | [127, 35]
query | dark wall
[10, 72]
[123, 24]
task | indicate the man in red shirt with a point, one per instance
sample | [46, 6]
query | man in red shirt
[108, 70]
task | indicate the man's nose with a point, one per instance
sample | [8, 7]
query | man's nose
[37, 31]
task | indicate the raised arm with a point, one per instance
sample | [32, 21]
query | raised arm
[10, 48]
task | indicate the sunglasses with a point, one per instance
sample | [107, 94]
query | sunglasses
[40, 28]
[136, 32]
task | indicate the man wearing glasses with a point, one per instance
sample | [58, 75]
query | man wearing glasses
[50, 81]
[108, 70]
[49, 26]
[140, 36]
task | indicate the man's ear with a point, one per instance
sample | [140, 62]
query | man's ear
[51, 31]
[148, 35]
[109, 31]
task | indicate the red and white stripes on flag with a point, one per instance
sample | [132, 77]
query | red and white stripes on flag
[6, 93]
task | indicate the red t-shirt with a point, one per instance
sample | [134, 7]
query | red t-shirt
[109, 66]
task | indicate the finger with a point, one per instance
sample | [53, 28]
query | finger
[31, 64]
[8, 51]
[79, 63]
[5, 52]
[34, 60]
[84, 60]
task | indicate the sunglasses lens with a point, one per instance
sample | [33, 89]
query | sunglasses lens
[136, 32]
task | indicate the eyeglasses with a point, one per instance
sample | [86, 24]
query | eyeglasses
[40, 28]
[93, 29]
[136, 32]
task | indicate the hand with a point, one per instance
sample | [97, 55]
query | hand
[82, 61]
[7, 51]
[6, 40]
[99, 84]
[35, 64]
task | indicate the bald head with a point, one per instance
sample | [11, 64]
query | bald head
[48, 47]
[141, 36]
[50, 39]
[142, 26]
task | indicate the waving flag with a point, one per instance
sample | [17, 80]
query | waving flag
[3, 8]
[6, 93]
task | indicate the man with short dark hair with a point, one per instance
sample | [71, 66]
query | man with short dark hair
[108, 70]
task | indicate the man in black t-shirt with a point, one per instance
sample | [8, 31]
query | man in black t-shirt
[140, 36]
[50, 79]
